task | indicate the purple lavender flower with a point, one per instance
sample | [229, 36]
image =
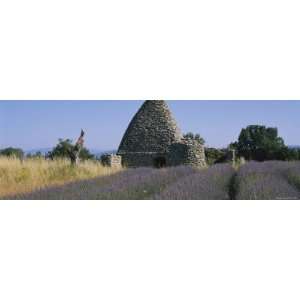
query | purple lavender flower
[268, 180]
[137, 183]
[212, 183]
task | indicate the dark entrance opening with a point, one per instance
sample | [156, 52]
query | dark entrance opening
[160, 162]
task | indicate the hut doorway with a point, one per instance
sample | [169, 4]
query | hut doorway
[160, 162]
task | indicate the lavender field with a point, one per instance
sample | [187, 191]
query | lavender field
[252, 181]
[268, 180]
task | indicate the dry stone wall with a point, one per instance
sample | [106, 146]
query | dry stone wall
[154, 139]
[187, 152]
[144, 159]
[152, 129]
[149, 134]
[111, 160]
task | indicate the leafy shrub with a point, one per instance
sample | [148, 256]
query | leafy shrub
[214, 155]
[261, 143]
[63, 149]
[196, 137]
[12, 152]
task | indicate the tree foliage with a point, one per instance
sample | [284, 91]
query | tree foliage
[65, 147]
[193, 136]
[261, 143]
[294, 154]
[37, 154]
[214, 155]
[12, 152]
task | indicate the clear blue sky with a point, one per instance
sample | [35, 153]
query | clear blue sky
[39, 124]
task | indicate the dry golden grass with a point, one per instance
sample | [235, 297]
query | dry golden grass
[19, 177]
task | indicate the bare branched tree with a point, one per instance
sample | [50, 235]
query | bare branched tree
[75, 150]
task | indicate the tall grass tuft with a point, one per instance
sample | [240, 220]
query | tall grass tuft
[17, 177]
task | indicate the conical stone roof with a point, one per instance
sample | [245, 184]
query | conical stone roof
[152, 129]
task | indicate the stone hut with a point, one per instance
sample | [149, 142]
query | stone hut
[187, 152]
[153, 139]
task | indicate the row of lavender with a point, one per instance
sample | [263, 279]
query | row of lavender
[211, 184]
[268, 180]
[253, 181]
[140, 183]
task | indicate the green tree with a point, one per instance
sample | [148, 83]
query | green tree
[65, 147]
[214, 155]
[12, 152]
[193, 136]
[37, 154]
[292, 154]
[86, 154]
[260, 143]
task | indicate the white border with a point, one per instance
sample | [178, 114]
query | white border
[136, 49]
[149, 250]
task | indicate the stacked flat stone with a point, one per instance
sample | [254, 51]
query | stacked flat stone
[154, 139]
[111, 160]
[149, 135]
[187, 152]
